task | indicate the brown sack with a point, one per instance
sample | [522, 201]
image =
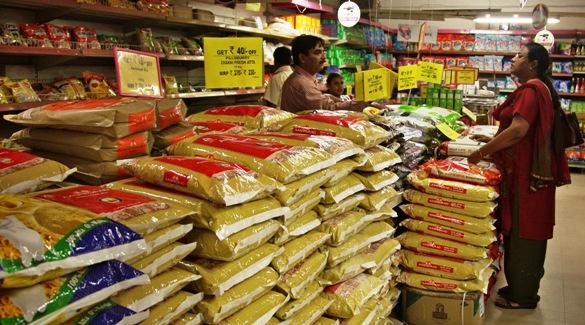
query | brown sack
[169, 112]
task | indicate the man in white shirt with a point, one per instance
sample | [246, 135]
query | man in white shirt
[282, 62]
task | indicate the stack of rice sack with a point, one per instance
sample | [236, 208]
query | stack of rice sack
[450, 230]
[161, 224]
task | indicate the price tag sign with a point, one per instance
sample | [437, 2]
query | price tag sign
[469, 113]
[233, 62]
[466, 76]
[448, 131]
[375, 84]
[138, 73]
[430, 72]
[407, 77]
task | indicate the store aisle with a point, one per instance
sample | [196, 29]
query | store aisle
[563, 286]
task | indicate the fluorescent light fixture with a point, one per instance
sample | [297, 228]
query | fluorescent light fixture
[487, 19]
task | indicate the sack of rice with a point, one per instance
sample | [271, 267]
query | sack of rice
[443, 247]
[203, 127]
[367, 314]
[344, 226]
[172, 135]
[138, 212]
[46, 226]
[297, 190]
[117, 117]
[377, 231]
[387, 302]
[259, 311]
[458, 169]
[472, 209]
[444, 267]
[348, 186]
[162, 238]
[303, 206]
[68, 294]
[340, 170]
[380, 251]
[218, 277]
[273, 321]
[296, 280]
[344, 271]
[384, 213]
[214, 180]
[88, 146]
[161, 287]
[387, 270]
[189, 319]
[299, 249]
[338, 124]
[453, 189]
[169, 112]
[216, 309]
[21, 172]
[108, 312]
[283, 162]
[339, 148]
[350, 296]
[297, 228]
[311, 292]
[374, 201]
[327, 321]
[310, 313]
[428, 282]
[449, 219]
[328, 211]
[377, 159]
[163, 259]
[377, 180]
[428, 228]
[172, 308]
[253, 117]
[357, 243]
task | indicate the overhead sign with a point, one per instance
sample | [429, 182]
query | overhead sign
[545, 38]
[430, 72]
[233, 62]
[349, 14]
[407, 77]
[138, 73]
[408, 33]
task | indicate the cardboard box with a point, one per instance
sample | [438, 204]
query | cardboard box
[424, 307]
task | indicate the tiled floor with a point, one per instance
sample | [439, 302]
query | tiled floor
[562, 289]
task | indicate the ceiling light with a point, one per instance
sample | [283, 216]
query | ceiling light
[515, 15]
[510, 20]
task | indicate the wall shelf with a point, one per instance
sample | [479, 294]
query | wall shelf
[469, 53]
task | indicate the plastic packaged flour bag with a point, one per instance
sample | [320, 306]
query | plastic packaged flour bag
[468, 208]
[253, 117]
[108, 312]
[350, 296]
[377, 158]
[453, 189]
[457, 168]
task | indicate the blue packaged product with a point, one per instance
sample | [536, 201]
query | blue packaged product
[108, 313]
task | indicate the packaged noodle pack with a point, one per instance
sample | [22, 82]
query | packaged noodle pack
[344, 226]
[377, 159]
[339, 148]
[310, 313]
[428, 282]
[374, 201]
[216, 309]
[443, 247]
[297, 228]
[338, 124]
[116, 117]
[253, 117]
[173, 308]
[328, 211]
[449, 219]
[297, 190]
[377, 180]
[214, 180]
[68, 294]
[298, 249]
[169, 112]
[58, 238]
[427, 228]
[259, 311]
[458, 169]
[453, 189]
[340, 170]
[350, 296]
[222, 221]
[108, 312]
[472, 209]
[303, 206]
[21, 172]
[451, 268]
[311, 292]
[218, 277]
[140, 213]
[163, 259]
[348, 186]
[283, 162]
[236, 245]
[189, 319]
[296, 280]
[160, 288]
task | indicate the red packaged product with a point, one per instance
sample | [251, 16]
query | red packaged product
[59, 36]
[457, 42]
[86, 37]
[457, 168]
[463, 62]
[439, 60]
[469, 43]
[451, 61]
[35, 35]
[446, 43]
[437, 45]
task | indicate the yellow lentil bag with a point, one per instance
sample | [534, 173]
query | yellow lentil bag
[388, 301]
[163, 259]
[376, 200]
[273, 321]
[218, 277]
[340, 170]
[432, 229]
[303, 206]
[443, 247]
[213, 180]
[449, 219]
[472, 209]
[236, 245]
[385, 213]
[344, 271]
[348, 186]
[367, 315]
[298, 249]
[310, 313]
[259, 311]
[351, 247]
[451, 268]
[253, 117]
[164, 237]
[428, 282]
[328, 211]
[189, 319]
[285, 163]
[326, 321]
[380, 251]
[377, 180]
[216, 309]
[453, 189]
[344, 226]
[311, 292]
[299, 227]
[295, 281]
[173, 308]
[377, 158]
[350, 296]
[297, 190]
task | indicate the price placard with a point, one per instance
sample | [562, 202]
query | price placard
[466, 76]
[448, 131]
[233, 62]
[138, 73]
[430, 72]
[407, 77]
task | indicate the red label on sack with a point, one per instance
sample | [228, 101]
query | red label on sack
[440, 216]
[312, 131]
[242, 110]
[440, 285]
[432, 266]
[142, 121]
[12, 160]
[205, 166]
[449, 258]
[132, 146]
[173, 177]
[345, 121]
[205, 127]
[241, 144]
[454, 189]
[438, 247]
[291, 136]
[447, 203]
[83, 104]
[442, 230]
[170, 117]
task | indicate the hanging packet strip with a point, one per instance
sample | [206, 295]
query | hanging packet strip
[453, 189]
[468, 208]
[253, 117]
[449, 219]
[444, 267]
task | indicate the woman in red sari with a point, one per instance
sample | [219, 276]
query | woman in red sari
[531, 168]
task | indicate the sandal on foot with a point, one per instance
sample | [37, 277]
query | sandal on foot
[509, 304]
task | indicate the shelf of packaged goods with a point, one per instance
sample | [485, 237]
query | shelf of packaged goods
[577, 164]
[579, 72]
[196, 58]
[350, 66]
[562, 75]
[354, 44]
[304, 6]
[494, 72]
[572, 95]
[562, 57]
[218, 93]
[32, 51]
[430, 52]
[580, 57]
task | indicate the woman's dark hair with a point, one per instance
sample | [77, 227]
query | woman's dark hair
[332, 76]
[282, 56]
[303, 44]
[540, 54]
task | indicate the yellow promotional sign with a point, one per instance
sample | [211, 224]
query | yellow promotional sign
[375, 84]
[407, 77]
[448, 131]
[469, 113]
[138, 73]
[466, 76]
[430, 72]
[392, 76]
[233, 62]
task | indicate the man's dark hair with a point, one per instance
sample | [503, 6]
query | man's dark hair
[303, 44]
[332, 76]
[282, 56]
